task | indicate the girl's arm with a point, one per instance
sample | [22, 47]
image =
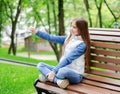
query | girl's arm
[77, 52]
[51, 38]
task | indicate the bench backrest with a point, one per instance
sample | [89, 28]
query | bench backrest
[105, 52]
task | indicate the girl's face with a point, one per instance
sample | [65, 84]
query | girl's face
[75, 30]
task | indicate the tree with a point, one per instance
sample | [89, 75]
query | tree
[11, 9]
[61, 21]
[113, 14]
[50, 14]
[54, 46]
[1, 21]
[99, 6]
[86, 2]
[51, 20]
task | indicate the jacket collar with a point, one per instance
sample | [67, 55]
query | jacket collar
[77, 37]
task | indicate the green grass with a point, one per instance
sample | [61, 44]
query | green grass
[35, 52]
[16, 79]
[4, 51]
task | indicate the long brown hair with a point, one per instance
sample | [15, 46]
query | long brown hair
[82, 26]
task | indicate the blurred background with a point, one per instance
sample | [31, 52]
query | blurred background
[52, 16]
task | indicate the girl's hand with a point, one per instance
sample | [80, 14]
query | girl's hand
[33, 30]
[51, 76]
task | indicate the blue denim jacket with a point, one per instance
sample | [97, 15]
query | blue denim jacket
[77, 52]
[51, 38]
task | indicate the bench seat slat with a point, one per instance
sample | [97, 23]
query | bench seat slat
[54, 89]
[106, 59]
[106, 73]
[108, 33]
[106, 66]
[89, 89]
[105, 52]
[106, 45]
[104, 29]
[82, 88]
[102, 85]
[102, 79]
[105, 38]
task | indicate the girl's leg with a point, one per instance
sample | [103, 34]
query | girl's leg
[44, 68]
[67, 73]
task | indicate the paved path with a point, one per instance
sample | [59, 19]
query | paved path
[41, 57]
[14, 62]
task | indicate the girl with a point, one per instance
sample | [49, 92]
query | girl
[71, 66]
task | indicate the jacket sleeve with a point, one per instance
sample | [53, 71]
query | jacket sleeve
[77, 52]
[51, 38]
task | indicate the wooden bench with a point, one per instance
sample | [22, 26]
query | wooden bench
[104, 76]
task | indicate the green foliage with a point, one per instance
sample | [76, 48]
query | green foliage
[9, 8]
[35, 38]
[72, 9]
[115, 6]
[36, 13]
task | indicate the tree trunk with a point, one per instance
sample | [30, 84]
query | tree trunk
[61, 21]
[116, 18]
[1, 4]
[61, 26]
[48, 10]
[14, 23]
[87, 8]
[56, 51]
[54, 14]
[100, 17]
[12, 46]
[99, 11]
[54, 46]
[61, 18]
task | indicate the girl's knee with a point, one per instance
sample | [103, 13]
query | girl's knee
[63, 71]
[66, 70]
[40, 65]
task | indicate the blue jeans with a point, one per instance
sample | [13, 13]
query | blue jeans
[63, 73]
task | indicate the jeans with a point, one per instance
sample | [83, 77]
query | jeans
[63, 73]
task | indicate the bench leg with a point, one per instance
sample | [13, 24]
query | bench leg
[39, 90]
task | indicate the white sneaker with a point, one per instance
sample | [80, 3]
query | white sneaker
[42, 78]
[63, 83]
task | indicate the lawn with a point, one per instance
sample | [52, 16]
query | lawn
[16, 79]
[35, 52]
[4, 51]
